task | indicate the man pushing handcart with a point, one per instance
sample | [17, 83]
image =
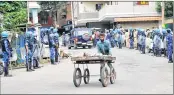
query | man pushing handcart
[104, 57]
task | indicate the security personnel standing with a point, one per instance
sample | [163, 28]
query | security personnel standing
[51, 45]
[6, 49]
[29, 50]
[103, 47]
[119, 39]
[164, 32]
[170, 45]
[143, 41]
[131, 37]
[157, 43]
[56, 40]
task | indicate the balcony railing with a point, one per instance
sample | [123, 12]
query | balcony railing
[126, 10]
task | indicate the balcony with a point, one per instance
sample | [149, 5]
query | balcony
[108, 12]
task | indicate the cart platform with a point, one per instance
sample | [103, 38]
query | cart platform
[92, 59]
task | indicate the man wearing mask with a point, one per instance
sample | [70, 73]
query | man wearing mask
[103, 47]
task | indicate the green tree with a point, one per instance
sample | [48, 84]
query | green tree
[53, 7]
[168, 8]
[15, 13]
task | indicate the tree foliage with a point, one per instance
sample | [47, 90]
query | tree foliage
[168, 8]
[53, 7]
[15, 13]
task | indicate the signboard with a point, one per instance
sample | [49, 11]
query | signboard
[142, 3]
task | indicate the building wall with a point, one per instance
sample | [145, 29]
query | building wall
[68, 15]
[88, 6]
[147, 24]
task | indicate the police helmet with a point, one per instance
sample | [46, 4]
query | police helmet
[130, 29]
[28, 34]
[157, 30]
[4, 34]
[168, 30]
[55, 31]
[164, 31]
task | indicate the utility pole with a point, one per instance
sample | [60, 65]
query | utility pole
[27, 15]
[72, 14]
[162, 10]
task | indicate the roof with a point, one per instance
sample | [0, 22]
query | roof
[129, 19]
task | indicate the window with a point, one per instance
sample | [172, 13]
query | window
[98, 6]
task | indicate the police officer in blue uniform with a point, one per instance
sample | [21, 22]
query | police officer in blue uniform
[169, 45]
[29, 50]
[51, 45]
[143, 41]
[56, 40]
[157, 43]
[131, 37]
[164, 34]
[35, 46]
[119, 39]
[6, 52]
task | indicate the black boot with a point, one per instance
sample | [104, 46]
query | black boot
[170, 61]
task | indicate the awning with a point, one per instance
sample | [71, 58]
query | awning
[137, 19]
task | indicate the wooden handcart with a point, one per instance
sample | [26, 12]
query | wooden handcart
[85, 60]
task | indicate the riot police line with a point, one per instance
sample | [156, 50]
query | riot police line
[31, 46]
[136, 38]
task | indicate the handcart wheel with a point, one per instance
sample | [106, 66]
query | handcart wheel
[86, 76]
[112, 76]
[104, 76]
[77, 77]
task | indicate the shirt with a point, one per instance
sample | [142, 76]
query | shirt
[104, 47]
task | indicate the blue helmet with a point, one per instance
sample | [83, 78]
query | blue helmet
[130, 29]
[142, 30]
[4, 34]
[55, 31]
[28, 34]
[164, 31]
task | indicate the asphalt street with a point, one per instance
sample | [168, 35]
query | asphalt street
[136, 74]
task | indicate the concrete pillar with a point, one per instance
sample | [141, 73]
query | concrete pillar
[35, 21]
[35, 15]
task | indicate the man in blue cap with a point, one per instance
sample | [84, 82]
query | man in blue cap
[6, 52]
[170, 45]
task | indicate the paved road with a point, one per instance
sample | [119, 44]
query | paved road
[136, 73]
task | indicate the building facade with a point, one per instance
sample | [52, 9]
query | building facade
[110, 14]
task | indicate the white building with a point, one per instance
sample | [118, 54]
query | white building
[127, 14]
